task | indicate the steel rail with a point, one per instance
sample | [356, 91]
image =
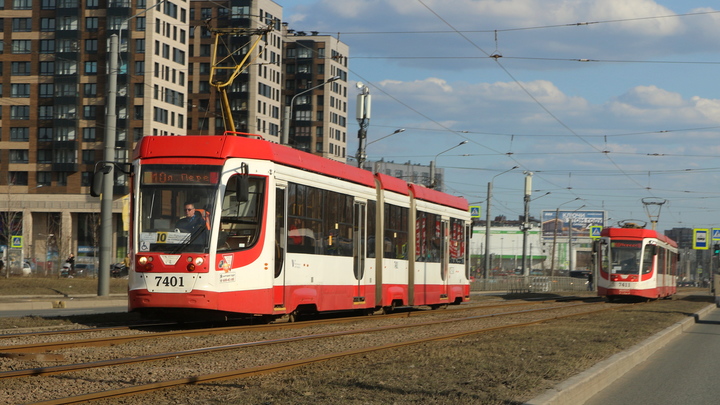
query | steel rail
[252, 371]
[42, 371]
[105, 341]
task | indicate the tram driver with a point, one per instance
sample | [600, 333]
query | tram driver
[194, 220]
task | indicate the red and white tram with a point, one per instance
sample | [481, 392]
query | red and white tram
[282, 232]
[636, 262]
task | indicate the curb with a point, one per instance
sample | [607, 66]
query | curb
[579, 388]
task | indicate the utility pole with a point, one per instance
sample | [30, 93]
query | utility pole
[362, 113]
[526, 221]
[106, 199]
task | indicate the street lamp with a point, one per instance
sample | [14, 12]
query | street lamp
[433, 183]
[397, 131]
[289, 109]
[557, 218]
[488, 221]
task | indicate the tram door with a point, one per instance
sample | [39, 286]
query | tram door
[444, 255]
[359, 248]
[280, 246]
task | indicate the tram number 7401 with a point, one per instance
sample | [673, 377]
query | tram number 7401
[169, 281]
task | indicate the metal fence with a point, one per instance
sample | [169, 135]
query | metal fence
[529, 284]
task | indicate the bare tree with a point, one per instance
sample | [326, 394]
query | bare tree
[10, 225]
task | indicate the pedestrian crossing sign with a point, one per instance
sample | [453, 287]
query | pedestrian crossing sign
[474, 211]
[16, 242]
[716, 234]
[595, 231]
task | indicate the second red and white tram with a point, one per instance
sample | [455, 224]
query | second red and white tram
[285, 232]
[636, 262]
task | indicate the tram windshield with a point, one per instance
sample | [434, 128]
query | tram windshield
[175, 207]
[625, 256]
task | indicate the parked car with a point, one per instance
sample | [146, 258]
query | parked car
[118, 270]
[84, 270]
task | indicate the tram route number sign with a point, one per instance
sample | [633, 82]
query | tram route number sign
[701, 239]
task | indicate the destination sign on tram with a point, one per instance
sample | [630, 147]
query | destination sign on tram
[180, 175]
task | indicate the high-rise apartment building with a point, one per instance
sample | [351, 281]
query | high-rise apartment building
[54, 59]
[54, 63]
[255, 94]
[315, 88]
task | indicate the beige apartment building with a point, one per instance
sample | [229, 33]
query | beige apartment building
[54, 62]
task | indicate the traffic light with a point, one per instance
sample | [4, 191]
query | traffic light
[716, 249]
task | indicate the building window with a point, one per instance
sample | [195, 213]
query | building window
[89, 112]
[46, 112]
[86, 179]
[139, 46]
[46, 89]
[62, 178]
[44, 178]
[91, 45]
[19, 156]
[67, 45]
[21, 46]
[91, 23]
[18, 178]
[22, 24]
[44, 156]
[20, 112]
[20, 90]
[140, 67]
[67, 23]
[45, 134]
[140, 24]
[67, 67]
[88, 157]
[22, 4]
[90, 89]
[65, 111]
[47, 68]
[19, 134]
[91, 68]
[47, 46]
[88, 134]
[47, 5]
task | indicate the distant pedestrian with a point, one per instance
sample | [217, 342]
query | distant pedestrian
[71, 261]
[590, 281]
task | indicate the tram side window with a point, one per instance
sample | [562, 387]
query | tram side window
[457, 241]
[338, 224]
[428, 247]
[302, 230]
[648, 258]
[396, 232]
[371, 228]
[320, 221]
[240, 221]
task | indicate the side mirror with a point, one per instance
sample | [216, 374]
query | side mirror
[242, 184]
[242, 188]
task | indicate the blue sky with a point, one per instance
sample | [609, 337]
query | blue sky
[623, 109]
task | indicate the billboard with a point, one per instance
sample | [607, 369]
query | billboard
[581, 221]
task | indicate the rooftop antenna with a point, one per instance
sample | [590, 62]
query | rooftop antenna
[653, 205]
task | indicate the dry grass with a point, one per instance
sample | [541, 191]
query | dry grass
[51, 286]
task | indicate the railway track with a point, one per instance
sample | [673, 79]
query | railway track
[184, 330]
[426, 331]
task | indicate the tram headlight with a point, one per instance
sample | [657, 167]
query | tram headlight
[144, 264]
